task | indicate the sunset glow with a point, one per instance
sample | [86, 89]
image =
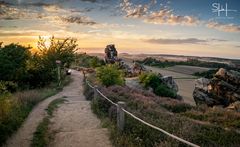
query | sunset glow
[146, 26]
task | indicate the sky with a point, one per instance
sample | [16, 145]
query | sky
[181, 27]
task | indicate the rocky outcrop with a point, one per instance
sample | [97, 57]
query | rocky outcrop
[223, 89]
[111, 54]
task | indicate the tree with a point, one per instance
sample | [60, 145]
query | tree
[59, 49]
[42, 65]
[13, 61]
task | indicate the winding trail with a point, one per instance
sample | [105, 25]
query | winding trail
[73, 122]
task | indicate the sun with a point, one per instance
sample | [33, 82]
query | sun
[47, 41]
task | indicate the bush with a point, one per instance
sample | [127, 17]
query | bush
[163, 90]
[150, 80]
[153, 80]
[110, 75]
[8, 86]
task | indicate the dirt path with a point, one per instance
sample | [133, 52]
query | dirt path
[74, 122]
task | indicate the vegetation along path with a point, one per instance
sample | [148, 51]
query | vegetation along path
[73, 122]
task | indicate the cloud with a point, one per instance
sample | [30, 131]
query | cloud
[49, 12]
[176, 41]
[165, 16]
[135, 11]
[78, 20]
[8, 12]
[223, 27]
[162, 16]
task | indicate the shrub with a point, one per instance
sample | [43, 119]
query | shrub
[163, 90]
[150, 80]
[110, 75]
[153, 80]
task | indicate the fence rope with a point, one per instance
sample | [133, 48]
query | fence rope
[142, 121]
[89, 84]
[106, 98]
[161, 130]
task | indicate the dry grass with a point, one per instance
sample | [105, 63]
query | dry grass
[33, 96]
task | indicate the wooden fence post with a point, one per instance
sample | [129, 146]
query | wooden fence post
[120, 116]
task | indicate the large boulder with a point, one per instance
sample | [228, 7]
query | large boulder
[223, 89]
[169, 81]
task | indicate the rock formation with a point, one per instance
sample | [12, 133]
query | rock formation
[223, 89]
[111, 57]
[111, 54]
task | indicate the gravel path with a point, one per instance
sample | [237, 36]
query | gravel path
[73, 123]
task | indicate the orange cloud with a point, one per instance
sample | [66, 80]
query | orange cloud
[223, 27]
